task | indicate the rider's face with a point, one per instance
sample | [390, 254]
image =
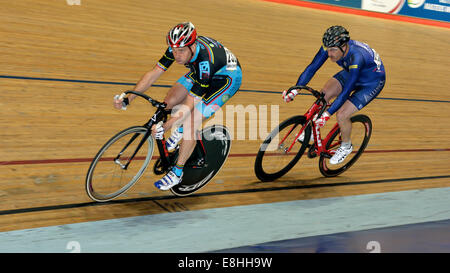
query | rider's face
[182, 55]
[335, 53]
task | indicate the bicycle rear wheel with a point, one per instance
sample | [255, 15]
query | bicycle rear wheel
[199, 169]
[273, 160]
[106, 178]
[361, 132]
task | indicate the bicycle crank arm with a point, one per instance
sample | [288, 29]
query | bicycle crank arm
[325, 155]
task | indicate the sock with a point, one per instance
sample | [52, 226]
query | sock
[178, 170]
[346, 145]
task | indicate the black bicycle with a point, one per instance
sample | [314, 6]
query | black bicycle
[124, 158]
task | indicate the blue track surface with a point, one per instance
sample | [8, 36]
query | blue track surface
[405, 221]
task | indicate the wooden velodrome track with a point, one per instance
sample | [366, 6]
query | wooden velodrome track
[50, 129]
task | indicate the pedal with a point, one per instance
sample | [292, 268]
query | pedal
[158, 168]
[312, 152]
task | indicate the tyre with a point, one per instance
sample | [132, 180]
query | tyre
[281, 150]
[361, 132]
[107, 178]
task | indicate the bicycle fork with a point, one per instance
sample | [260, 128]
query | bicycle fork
[133, 138]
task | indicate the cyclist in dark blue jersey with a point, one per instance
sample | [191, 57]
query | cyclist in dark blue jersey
[214, 76]
[363, 72]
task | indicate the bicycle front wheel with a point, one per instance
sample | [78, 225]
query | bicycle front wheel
[111, 172]
[361, 132]
[281, 150]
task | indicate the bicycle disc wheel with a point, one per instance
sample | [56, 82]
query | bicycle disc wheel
[106, 178]
[273, 159]
[217, 143]
[361, 132]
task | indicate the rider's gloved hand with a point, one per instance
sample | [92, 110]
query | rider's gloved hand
[121, 103]
[320, 122]
[289, 96]
[158, 130]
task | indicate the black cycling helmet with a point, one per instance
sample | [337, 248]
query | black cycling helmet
[335, 36]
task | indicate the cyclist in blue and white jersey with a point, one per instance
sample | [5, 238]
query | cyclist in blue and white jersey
[363, 72]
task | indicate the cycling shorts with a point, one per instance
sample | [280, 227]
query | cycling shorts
[224, 85]
[363, 94]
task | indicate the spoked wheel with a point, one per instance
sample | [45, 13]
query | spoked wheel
[107, 177]
[274, 159]
[201, 168]
[361, 132]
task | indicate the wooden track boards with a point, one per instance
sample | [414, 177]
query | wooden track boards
[118, 42]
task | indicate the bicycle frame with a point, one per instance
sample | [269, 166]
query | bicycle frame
[318, 107]
[160, 115]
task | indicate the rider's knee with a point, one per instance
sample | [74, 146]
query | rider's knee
[331, 89]
[342, 115]
[171, 102]
[346, 111]
[175, 96]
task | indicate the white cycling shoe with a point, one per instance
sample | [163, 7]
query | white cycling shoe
[168, 181]
[172, 141]
[340, 154]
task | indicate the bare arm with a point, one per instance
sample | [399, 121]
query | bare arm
[143, 84]
[147, 80]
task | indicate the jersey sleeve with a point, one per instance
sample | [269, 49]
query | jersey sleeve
[203, 78]
[312, 68]
[166, 60]
[354, 69]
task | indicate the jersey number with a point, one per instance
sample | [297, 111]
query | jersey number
[231, 60]
[376, 59]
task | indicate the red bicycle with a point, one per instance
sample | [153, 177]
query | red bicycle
[282, 149]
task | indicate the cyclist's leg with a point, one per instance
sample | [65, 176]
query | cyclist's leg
[185, 116]
[175, 97]
[224, 85]
[343, 116]
[191, 124]
[333, 87]
[178, 92]
[358, 100]
[192, 120]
